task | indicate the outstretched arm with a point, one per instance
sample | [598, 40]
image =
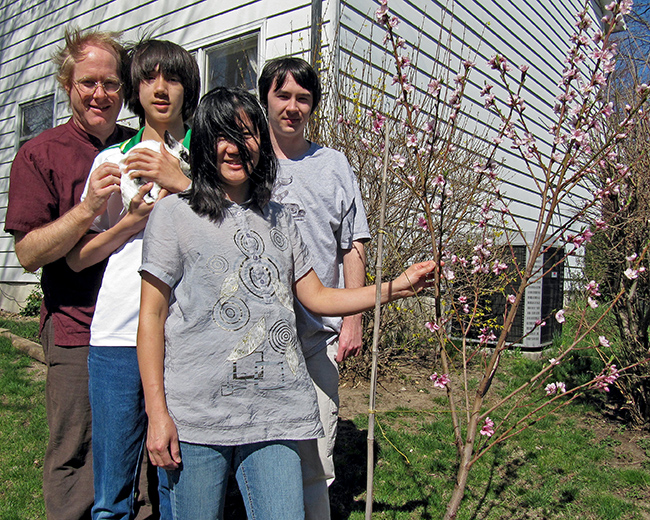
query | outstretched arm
[48, 243]
[162, 436]
[326, 301]
[354, 275]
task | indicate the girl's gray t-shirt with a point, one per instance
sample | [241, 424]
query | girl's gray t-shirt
[234, 369]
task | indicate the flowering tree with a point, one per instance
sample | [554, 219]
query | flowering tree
[618, 255]
[448, 190]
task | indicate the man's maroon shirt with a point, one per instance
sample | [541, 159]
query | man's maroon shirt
[48, 176]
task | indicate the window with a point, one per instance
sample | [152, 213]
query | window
[233, 63]
[34, 117]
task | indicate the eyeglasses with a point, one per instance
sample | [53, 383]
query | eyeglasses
[89, 86]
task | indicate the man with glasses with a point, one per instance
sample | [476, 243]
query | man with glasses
[46, 219]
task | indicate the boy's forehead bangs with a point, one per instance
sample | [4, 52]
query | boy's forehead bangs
[168, 64]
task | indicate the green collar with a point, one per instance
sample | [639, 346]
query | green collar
[137, 139]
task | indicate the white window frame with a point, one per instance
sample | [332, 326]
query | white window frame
[21, 107]
[199, 47]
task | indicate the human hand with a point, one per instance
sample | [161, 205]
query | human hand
[413, 280]
[102, 183]
[162, 442]
[350, 338]
[161, 167]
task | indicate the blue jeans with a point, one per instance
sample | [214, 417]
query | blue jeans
[268, 474]
[119, 425]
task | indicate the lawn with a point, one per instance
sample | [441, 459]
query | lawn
[574, 464]
[23, 437]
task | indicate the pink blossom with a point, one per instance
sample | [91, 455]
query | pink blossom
[398, 161]
[433, 87]
[411, 140]
[559, 316]
[448, 274]
[624, 7]
[631, 274]
[555, 388]
[603, 341]
[393, 22]
[411, 179]
[486, 89]
[440, 381]
[592, 303]
[631, 258]
[381, 13]
[462, 299]
[592, 288]
[432, 326]
[488, 428]
[422, 222]
[378, 123]
[606, 377]
[553, 362]
[511, 298]
[498, 267]
[403, 61]
[486, 336]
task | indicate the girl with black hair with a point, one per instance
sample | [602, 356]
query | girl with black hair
[224, 378]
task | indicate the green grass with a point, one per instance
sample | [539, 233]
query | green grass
[553, 470]
[559, 468]
[565, 465]
[26, 328]
[23, 437]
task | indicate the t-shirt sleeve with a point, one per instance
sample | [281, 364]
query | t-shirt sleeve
[161, 255]
[355, 224]
[33, 201]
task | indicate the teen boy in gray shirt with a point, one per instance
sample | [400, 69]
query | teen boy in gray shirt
[320, 188]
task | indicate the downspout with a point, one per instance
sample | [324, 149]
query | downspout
[316, 23]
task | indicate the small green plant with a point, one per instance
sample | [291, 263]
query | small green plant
[32, 306]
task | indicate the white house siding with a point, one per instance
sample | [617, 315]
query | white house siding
[532, 32]
[526, 31]
[31, 31]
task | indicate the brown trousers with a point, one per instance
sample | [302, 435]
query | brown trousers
[68, 465]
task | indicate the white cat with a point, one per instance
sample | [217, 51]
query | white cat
[130, 185]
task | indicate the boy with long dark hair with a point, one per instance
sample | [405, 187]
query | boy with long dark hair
[164, 93]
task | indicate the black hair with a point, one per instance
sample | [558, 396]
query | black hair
[169, 59]
[278, 69]
[221, 114]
